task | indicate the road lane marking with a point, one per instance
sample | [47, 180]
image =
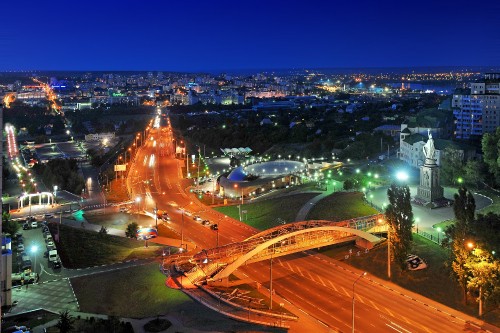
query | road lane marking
[374, 305]
[333, 286]
[390, 313]
[400, 327]
[320, 280]
[345, 292]
[394, 328]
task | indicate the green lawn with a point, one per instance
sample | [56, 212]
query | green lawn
[118, 220]
[134, 293]
[433, 282]
[265, 214]
[82, 248]
[140, 292]
[341, 206]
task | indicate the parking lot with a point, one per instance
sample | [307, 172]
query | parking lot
[31, 246]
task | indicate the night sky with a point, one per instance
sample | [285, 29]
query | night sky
[229, 35]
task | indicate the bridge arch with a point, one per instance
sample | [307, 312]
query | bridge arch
[246, 258]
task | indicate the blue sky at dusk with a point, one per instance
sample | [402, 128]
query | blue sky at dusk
[225, 35]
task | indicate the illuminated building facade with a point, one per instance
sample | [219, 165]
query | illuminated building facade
[477, 109]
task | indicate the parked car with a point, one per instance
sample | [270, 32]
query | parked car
[205, 222]
[34, 224]
[50, 242]
[197, 218]
[20, 247]
[26, 226]
[214, 227]
[56, 264]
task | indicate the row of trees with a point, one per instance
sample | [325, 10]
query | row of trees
[472, 241]
[61, 172]
[454, 170]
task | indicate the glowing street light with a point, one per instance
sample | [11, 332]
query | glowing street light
[34, 250]
[353, 295]
[402, 176]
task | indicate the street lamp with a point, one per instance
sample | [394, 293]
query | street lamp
[353, 285]
[182, 225]
[34, 250]
[138, 200]
[156, 216]
[402, 176]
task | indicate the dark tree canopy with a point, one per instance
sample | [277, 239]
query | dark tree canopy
[399, 215]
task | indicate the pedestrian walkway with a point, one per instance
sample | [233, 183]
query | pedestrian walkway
[54, 296]
[306, 208]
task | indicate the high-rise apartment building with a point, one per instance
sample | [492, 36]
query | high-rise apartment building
[477, 109]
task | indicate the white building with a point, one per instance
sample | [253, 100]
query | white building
[99, 136]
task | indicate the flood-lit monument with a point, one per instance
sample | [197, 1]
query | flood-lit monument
[429, 192]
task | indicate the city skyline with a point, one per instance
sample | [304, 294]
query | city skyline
[221, 36]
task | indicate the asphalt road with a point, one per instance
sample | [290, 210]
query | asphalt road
[319, 287]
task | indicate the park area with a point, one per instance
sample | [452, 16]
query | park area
[265, 214]
[80, 248]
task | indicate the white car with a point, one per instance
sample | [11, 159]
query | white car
[34, 224]
[197, 218]
[50, 243]
[20, 247]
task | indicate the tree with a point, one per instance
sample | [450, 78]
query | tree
[451, 166]
[491, 153]
[103, 230]
[486, 231]
[458, 234]
[484, 277]
[399, 216]
[131, 231]
[9, 226]
[65, 323]
[473, 172]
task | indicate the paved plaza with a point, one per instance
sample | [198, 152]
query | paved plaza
[54, 295]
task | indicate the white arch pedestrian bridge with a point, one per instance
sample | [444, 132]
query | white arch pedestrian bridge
[217, 264]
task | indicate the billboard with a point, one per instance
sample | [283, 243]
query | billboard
[120, 167]
[146, 233]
